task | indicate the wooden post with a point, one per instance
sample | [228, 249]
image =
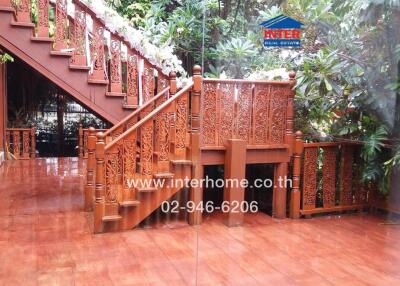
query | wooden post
[3, 102]
[295, 193]
[196, 194]
[289, 138]
[235, 169]
[91, 164]
[280, 190]
[80, 141]
[99, 179]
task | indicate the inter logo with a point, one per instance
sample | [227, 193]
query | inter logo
[282, 31]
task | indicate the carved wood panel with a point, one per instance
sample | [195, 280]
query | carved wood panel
[97, 52]
[226, 94]
[129, 160]
[61, 25]
[146, 151]
[346, 177]
[310, 177]
[148, 83]
[111, 172]
[329, 176]
[163, 136]
[16, 143]
[181, 122]
[25, 143]
[115, 69]
[43, 18]
[23, 9]
[243, 117]
[162, 82]
[277, 114]
[132, 81]
[260, 113]
[209, 112]
[79, 38]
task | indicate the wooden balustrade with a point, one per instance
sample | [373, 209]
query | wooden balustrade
[259, 112]
[21, 142]
[329, 180]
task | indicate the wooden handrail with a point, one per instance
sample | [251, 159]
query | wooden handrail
[150, 115]
[274, 82]
[330, 144]
[136, 112]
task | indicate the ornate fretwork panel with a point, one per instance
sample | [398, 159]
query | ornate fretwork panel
[61, 23]
[79, 38]
[115, 62]
[148, 84]
[132, 82]
[112, 174]
[163, 129]
[97, 52]
[129, 160]
[146, 151]
[226, 114]
[310, 177]
[346, 177]
[243, 117]
[25, 143]
[181, 123]
[162, 82]
[16, 143]
[329, 176]
[209, 114]
[43, 13]
[260, 113]
[277, 118]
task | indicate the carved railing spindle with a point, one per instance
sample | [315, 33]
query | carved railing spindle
[295, 193]
[346, 175]
[99, 73]
[289, 137]
[310, 178]
[146, 150]
[115, 67]
[132, 80]
[100, 180]
[33, 142]
[129, 165]
[329, 176]
[78, 58]
[90, 167]
[80, 141]
[16, 142]
[181, 127]
[163, 141]
[148, 82]
[61, 26]
[25, 144]
[43, 18]
[23, 10]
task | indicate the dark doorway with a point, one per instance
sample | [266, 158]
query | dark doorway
[34, 100]
[260, 178]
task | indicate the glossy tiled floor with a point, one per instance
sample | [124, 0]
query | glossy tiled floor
[45, 239]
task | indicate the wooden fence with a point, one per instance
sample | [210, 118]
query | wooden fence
[21, 142]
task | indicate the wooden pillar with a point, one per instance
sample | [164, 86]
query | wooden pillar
[99, 188]
[235, 168]
[196, 193]
[295, 193]
[289, 136]
[80, 141]
[91, 164]
[279, 196]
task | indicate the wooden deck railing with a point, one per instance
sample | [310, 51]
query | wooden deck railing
[83, 134]
[326, 174]
[259, 112]
[21, 142]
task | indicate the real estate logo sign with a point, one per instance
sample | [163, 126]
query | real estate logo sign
[282, 31]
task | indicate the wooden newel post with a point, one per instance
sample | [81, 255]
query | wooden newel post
[33, 142]
[295, 194]
[80, 141]
[172, 83]
[196, 194]
[289, 136]
[99, 179]
[90, 167]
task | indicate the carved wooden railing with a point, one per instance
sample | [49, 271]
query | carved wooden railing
[143, 151]
[259, 112]
[71, 33]
[330, 182]
[21, 142]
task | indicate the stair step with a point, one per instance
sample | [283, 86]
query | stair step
[22, 24]
[98, 81]
[78, 67]
[127, 204]
[181, 162]
[115, 94]
[164, 175]
[147, 190]
[42, 39]
[127, 106]
[61, 53]
[7, 9]
[108, 218]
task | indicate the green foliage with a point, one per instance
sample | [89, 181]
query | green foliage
[5, 58]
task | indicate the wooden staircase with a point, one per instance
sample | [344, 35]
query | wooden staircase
[77, 58]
